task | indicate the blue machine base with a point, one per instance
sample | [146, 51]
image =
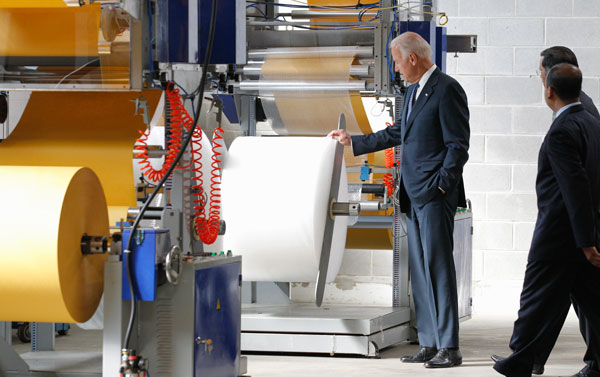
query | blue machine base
[217, 322]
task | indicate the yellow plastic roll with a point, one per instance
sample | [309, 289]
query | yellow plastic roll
[315, 112]
[32, 4]
[44, 213]
[50, 32]
[92, 129]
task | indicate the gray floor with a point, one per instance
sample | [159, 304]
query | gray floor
[480, 337]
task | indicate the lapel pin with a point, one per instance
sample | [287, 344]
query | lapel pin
[426, 94]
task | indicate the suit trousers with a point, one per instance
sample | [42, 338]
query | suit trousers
[545, 299]
[551, 336]
[433, 276]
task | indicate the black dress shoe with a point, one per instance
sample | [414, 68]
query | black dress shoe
[424, 354]
[496, 358]
[537, 368]
[586, 373]
[445, 358]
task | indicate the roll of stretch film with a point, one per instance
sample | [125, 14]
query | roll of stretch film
[49, 31]
[312, 112]
[45, 211]
[92, 129]
[275, 202]
[70, 36]
[316, 112]
[33, 4]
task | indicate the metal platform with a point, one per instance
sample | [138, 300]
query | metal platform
[329, 329]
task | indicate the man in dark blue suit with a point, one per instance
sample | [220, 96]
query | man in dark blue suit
[563, 260]
[434, 133]
[549, 58]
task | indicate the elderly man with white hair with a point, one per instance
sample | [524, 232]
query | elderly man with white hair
[434, 133]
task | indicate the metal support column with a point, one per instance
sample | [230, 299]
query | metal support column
[6, 332]
[400, 257]
[113, 316]
[42, 336]
[246, 113]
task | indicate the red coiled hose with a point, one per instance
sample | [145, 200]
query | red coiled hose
[388, 178]
[206, 226]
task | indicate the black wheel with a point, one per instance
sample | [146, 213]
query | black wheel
[63, 332]
[24, 332]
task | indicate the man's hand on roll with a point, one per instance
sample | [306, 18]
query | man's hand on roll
[341, 136]
[592, 255]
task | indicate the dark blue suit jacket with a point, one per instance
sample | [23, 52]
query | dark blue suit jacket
[568, 188]
[435, 141]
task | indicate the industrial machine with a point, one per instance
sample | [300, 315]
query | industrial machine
[172, 304]
[271, 320]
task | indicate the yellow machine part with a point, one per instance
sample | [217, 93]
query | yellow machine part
[49, 31]
[377, 239]
[91, 129]
[32, 4]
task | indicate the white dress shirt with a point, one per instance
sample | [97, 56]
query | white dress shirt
[562, 109]
[423, 80]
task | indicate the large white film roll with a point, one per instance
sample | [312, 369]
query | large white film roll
[275, 193]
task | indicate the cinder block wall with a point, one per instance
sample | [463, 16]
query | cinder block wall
[508, 122]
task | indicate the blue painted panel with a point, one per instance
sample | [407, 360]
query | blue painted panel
[218, 316]
[172, 31]
[441, 48]
[143, 259]
[223, 51]
[229, 108]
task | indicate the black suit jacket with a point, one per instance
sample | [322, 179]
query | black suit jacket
[588, 105]
[568, 188]
[435, 140]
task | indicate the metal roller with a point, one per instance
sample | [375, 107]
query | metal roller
[355, 70]
[305, 14]
[359, 51]
[302, 85]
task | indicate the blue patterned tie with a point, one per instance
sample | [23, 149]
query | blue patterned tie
[413, 96]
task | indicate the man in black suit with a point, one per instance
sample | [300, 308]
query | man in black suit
[563, 260]
[548, 59]
[434, 133]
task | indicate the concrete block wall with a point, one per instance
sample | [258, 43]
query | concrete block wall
[508, 122]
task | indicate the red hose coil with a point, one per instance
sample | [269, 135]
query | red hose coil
[388, 178]
[205, 225]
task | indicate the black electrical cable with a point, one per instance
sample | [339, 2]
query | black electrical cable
[185, 144]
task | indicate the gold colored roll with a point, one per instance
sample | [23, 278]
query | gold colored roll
[49, 31]
[92, 129]
[33, 4]
[315, 112]
[45, 212]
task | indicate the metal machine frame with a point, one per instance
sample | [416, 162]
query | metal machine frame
[281, 327]
[271, 322]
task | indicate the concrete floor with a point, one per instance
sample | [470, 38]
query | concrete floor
[480, 337]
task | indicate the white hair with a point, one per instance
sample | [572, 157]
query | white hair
[411, 42]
